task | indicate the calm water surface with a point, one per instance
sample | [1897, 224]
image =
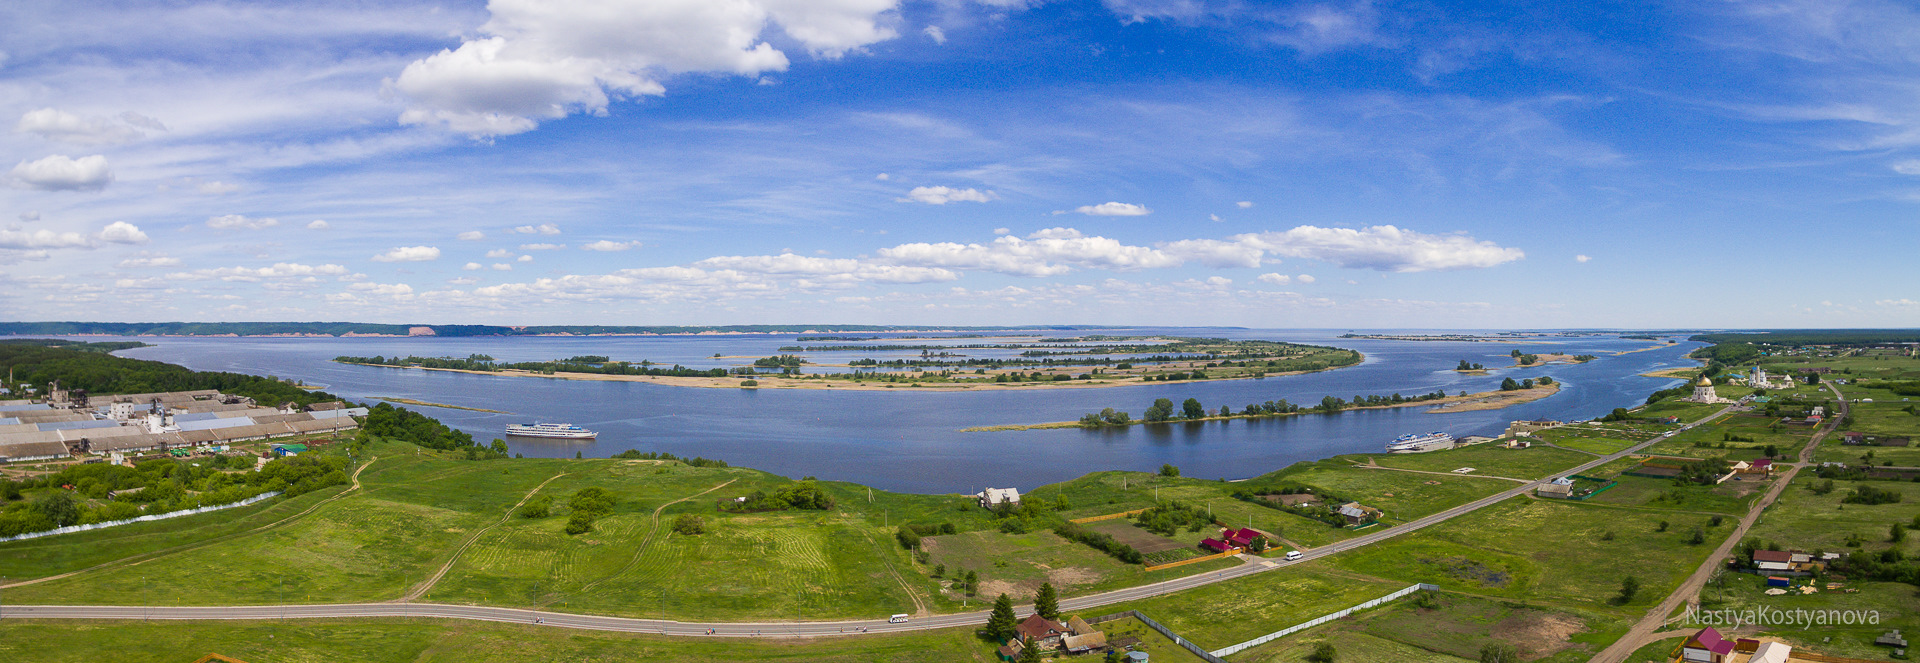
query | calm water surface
[910, 441]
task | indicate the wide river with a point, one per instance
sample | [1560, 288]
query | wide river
[911, 441]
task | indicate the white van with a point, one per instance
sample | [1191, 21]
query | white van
[1293, 555]
[897, 619]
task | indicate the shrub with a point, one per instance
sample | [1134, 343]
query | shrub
[689, 525]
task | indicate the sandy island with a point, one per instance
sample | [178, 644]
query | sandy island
[780, 382]
[1486, 400]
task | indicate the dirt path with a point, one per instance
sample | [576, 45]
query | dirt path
[148, 557]
[1645, 632]
[421, 589]
[919, 609]
[651, 532]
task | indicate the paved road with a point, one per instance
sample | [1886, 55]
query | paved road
[1249, 567]
[1644, 632]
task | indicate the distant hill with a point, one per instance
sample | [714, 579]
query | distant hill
[361, 329]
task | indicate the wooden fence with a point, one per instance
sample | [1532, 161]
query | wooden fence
[1110, 516]
[1194, 560]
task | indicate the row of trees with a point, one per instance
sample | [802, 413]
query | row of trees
[155, 486]
[803, 495]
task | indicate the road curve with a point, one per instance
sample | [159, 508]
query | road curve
[1249, 567]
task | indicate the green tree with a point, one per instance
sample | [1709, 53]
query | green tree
[1629, 588]
[973, 583]
[1047, 602]
[1029, 654]
[59, 507]
[1897, 533]
[1700, 536]
[687, 524]
[1168, 470]
[1162, 410]
[1192, 409]
[1509, 385]
[580, 522]
[1323, 653]
[1000, 625]
[1499, 652]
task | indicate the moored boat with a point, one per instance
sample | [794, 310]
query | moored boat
[567, 431]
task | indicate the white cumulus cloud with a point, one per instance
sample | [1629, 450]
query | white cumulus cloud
[940, 195]
[472, 235]
[121, 232]
[542, 229]
[59, 172]
[239, 222]
[499, 253]
[1384, 248]
[1113, 209]
[542, 247]
[536, 60]
[472, 266]
[216, 188]
[59, 125]
[1307, 278]
[608, 245]
[149, 261]
[318, 224]
[279, 271]
[1276, 279]
[409, 254]
[1582, 258]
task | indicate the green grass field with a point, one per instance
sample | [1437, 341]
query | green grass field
[454, 641]
[1731, 499]
[1803, 520]
[1247, 608]
[1454, 631]
[1895, 605]
[1404, 496]
[1544, 551]
[1486, 459]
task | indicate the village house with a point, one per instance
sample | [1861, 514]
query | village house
[1358, 514]
[1561, 487]
[993, 497]
[1706, 646]
[1082, 637]
[1041, 632]
[1791, 561]
[1241, 538]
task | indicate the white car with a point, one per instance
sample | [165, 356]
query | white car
[897, 619]
[1294, 555]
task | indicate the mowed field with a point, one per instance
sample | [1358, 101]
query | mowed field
[1453, 630]
[449, 641]
[1575, 554]
[1017, 564]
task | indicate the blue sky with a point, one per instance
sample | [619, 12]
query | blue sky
[1321, 164]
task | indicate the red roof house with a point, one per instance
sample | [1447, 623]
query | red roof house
[1215, 545]
[1041, 632]
[1706, 647]
[1241, 538]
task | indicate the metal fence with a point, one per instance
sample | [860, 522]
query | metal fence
[1157, 626]
[141, 519]
[1215, 655]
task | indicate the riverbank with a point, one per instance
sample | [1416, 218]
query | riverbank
[1486, 400]
[409, 401]
[979, 383]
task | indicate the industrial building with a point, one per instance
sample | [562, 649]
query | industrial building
[68, 424]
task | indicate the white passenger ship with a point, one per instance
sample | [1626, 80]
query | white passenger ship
[1417, 442]
[568, 431]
